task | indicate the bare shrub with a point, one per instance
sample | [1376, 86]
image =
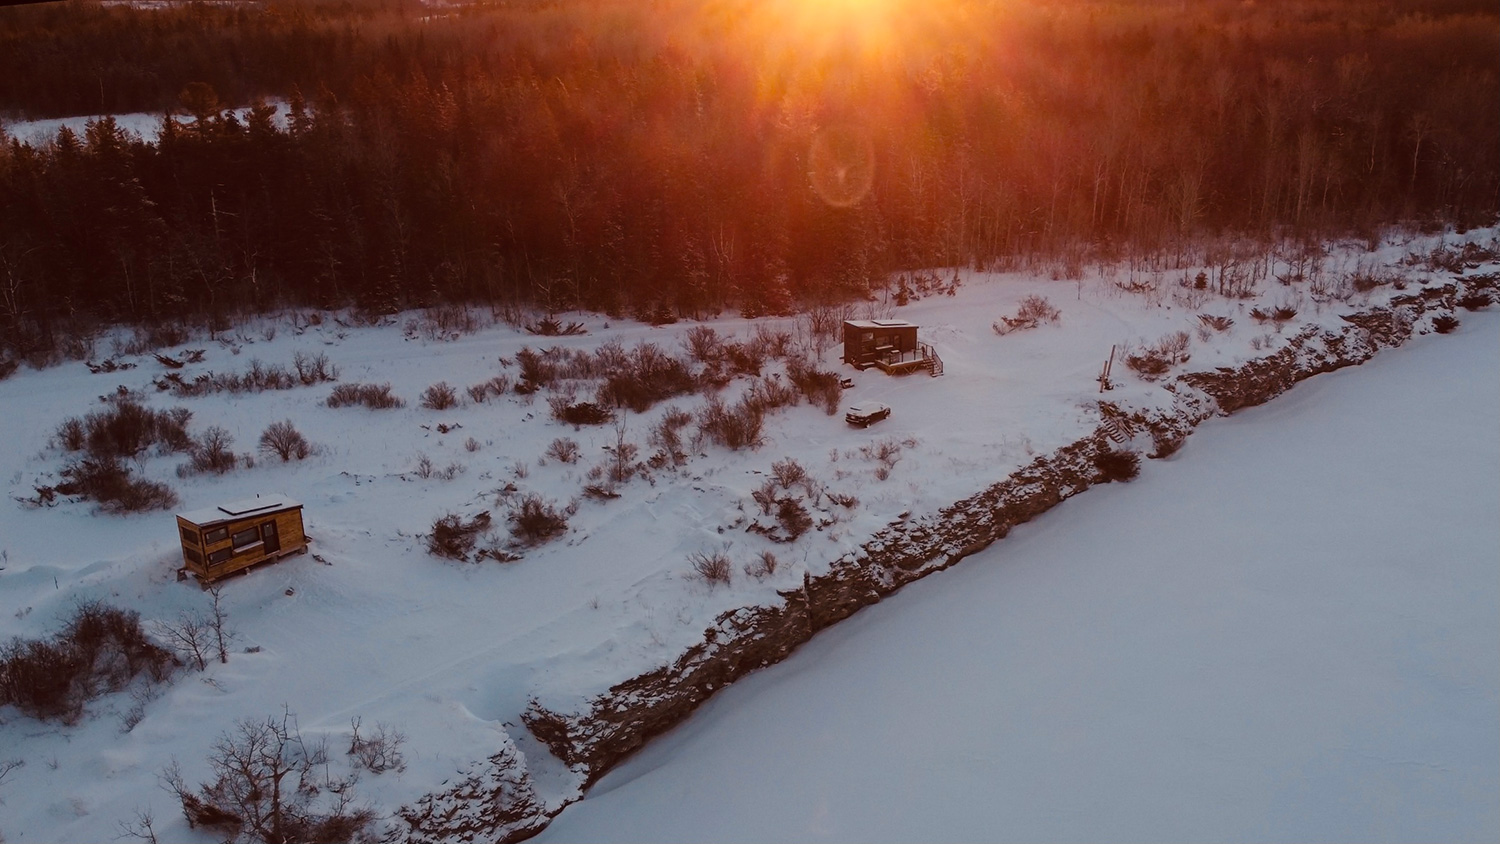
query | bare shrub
[1217, 323]
[212, 454]
[772, 394]
[257, 378]
[454, 537]
[189, 635]
[1117, 466]
[534, 521]
[646, 376]
[1174, 346]
[109, 483]
[581, 413]
[549, 326]
[820, 388]
[843, 500]
[745, 358]
[666, 436]
[100, 649]
[313, 369]
[734, 427]
[70, 434]
[563, 450]
[793, 517]
[1033, 311]
[372, 396]
[1477, 300]
[471, 445]
[126, 428]
[1148, 363]
[713, 566]
[424, 467]
[788, 472]
[622, 453]
[269, 784]
[764, 565]
[444, 322]
[1445, 323]
[440, 396]
[776, 342]
[379, 751]
[285, 441]
[702, 343]
[1153, 361]
[478, 393]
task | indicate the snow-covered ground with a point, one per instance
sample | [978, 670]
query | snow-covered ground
[451, 652]
[1288, 631]
[146, 125]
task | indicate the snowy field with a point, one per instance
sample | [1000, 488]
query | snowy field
[1288, 631]
[373, 626]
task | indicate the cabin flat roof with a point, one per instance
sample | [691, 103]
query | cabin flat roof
[880, 323]
[257, 506]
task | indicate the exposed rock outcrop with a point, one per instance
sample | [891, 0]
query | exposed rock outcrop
[620, 721]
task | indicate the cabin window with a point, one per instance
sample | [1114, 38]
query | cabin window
[246, 536]
[193, 556]
[189, 536]
[218, 556]
[215, 535]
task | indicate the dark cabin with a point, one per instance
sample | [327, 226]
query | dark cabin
[890, 344]
[217, 541]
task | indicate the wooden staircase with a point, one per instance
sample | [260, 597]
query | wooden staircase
[934, 363]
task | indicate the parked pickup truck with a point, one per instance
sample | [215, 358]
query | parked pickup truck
[864, 414]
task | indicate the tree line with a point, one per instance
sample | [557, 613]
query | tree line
[685, 157]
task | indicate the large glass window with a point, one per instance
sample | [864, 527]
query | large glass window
[189, 535]
[246, 536]
[193, 556]
[215, 535]
[219, 556]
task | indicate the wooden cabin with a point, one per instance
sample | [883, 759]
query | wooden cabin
[890, 344]
[217, 541]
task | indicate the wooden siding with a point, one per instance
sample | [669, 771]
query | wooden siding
[289, 531]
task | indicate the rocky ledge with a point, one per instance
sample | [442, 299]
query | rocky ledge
[500, 806]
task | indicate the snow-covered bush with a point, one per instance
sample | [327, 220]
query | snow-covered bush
[1445, 323]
